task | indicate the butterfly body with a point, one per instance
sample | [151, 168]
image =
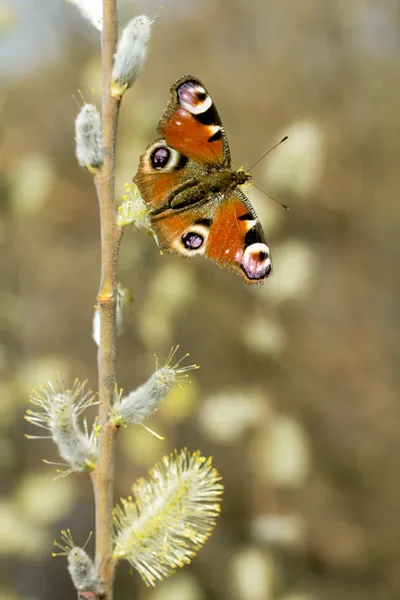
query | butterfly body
[202, 189]
[193, 194]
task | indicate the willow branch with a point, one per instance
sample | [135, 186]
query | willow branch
[103, 476]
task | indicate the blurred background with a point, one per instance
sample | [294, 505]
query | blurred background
[297, 395]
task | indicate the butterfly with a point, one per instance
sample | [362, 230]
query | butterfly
[187, 181]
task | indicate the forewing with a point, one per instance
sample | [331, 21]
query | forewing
[192, 126]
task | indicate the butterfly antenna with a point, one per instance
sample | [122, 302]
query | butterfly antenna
[266, 154]
[269, 196]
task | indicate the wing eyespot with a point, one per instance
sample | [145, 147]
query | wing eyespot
[193, 98]
[256, 262]
[194, 239]
[161, 157]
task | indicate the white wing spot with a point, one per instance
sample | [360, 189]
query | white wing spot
[213, 129]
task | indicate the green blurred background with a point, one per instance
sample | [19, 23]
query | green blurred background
[296, 397]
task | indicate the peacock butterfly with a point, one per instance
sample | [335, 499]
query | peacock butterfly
[187, 181]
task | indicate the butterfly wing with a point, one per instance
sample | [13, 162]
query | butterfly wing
[226, 229]
[192, 126]
[164, 173]
[193, 144]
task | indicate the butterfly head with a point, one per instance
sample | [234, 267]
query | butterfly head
[241, 177]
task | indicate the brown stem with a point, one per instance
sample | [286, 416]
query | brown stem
[103, 476]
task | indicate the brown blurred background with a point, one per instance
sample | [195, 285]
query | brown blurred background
[296, 397]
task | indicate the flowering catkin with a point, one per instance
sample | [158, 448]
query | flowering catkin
[172, 516]
[130, 55]
[133, 212]
[60, 411]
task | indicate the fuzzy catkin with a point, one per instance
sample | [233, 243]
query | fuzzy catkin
[131, 54]
[83, 571]
[73, 445]
[92, 10]
[89, 138]
[140, 404]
